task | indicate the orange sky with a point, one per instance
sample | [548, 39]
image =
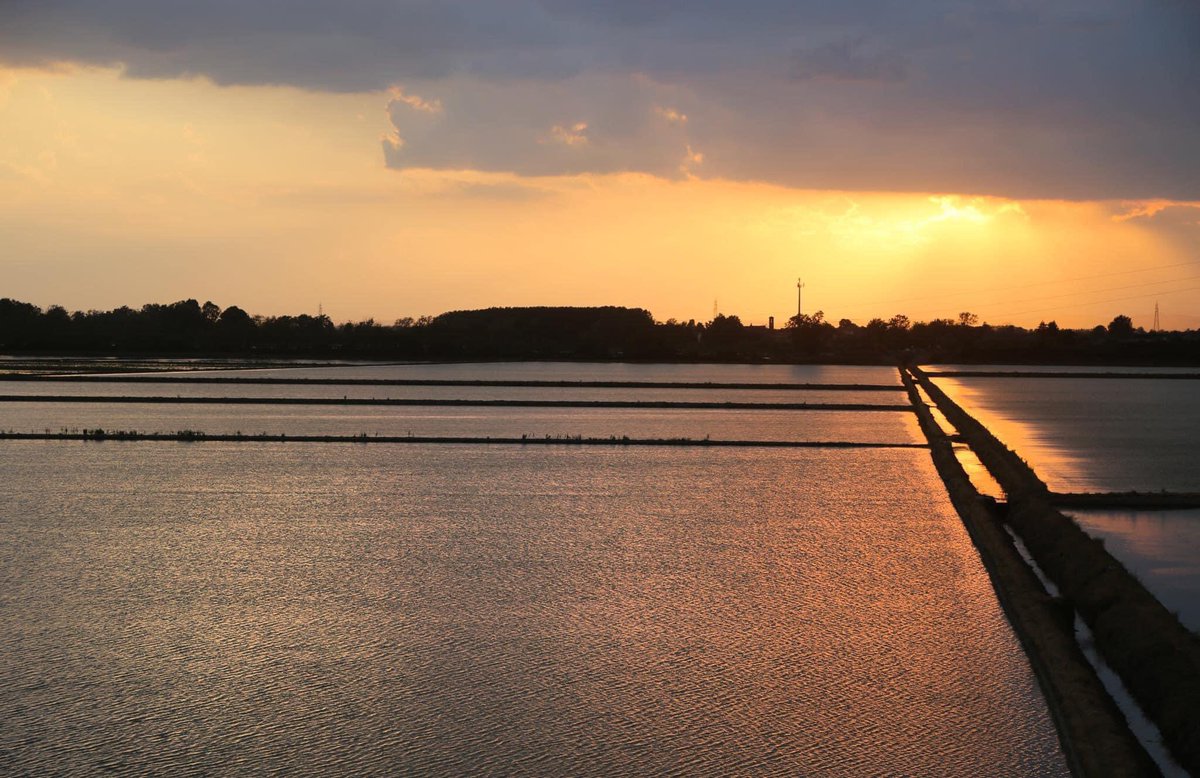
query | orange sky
[115, 190]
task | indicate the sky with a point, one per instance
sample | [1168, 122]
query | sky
[1024, 161]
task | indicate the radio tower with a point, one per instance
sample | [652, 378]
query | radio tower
[1157, 325]
[799, 297]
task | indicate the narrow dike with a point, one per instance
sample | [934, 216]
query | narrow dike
[194, 436]
[1093, 733]
[111, 378]
[451, 403]
[1156, 657]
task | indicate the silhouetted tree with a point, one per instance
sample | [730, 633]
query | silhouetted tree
[1121, 326]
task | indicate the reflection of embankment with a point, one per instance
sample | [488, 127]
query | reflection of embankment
[1056, 463]
[1157, 657]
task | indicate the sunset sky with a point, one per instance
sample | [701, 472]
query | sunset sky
[1022, 160]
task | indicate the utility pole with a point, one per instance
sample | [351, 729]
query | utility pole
[799, 298]
[1157, 325]
[714, 307]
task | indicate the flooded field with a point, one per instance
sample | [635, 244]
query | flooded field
[1109, 435]
[431, 609]
[335, 391]
[1092, 434]
[1065, 369]
[882, 426]
[443, 610]
[1162, 548]
[598, 371]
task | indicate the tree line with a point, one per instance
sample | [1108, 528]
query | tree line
[606, 332]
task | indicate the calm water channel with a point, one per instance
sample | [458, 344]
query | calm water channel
[1093, 434]
[348, 609]
[1162, 548]
[1102, 435]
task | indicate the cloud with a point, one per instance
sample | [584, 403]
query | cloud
[575, 135]
[587, 124]
[1075, 99]
[1151, 210]
[672, 116]
[848, 60]
[417, 103]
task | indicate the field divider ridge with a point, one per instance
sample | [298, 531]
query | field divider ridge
[192, 436]
[515, 383]
[466, 403]
[1053, 374]
[1094, 735]
[1156, 657]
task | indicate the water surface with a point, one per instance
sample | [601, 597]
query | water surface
[1097, 434]
[596, 371]
[1064, 369]
[119, 389]
[853, 426]
[1162, 548]
[277, 608]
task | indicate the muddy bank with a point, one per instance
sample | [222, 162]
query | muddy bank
[1156, 656]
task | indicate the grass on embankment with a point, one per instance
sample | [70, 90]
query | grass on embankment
[1095, 738]
[1156, 656]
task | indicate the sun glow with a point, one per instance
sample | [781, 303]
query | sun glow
[119, 191]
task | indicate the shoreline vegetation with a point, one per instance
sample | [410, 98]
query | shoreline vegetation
[196, 436]
[1156, 657]
[188, 327]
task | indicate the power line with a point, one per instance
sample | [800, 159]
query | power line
[1103, 302]
[940, 295]
[1108, 289]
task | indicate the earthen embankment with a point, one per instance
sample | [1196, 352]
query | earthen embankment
[1157, 658]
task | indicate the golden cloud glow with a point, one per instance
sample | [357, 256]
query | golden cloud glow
[573, 135]
[116, 191]
[1144, 209]
[398, 95]
[672, 116]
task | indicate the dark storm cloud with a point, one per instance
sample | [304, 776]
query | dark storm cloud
[1086, 99]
